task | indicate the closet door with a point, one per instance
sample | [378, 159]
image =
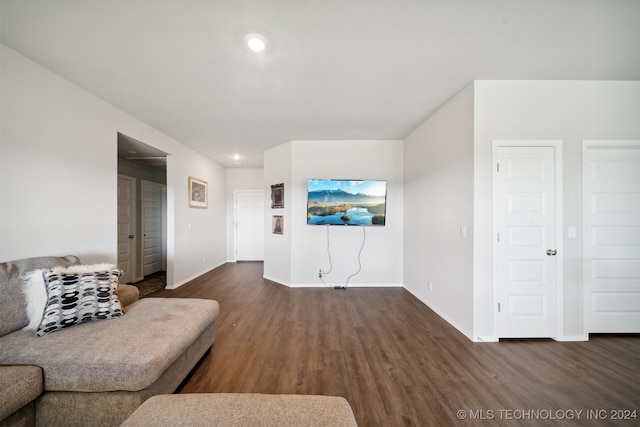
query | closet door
[611, 243]
[152, 227]
[525, 247]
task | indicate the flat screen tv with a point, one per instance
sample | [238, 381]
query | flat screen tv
[346, 202]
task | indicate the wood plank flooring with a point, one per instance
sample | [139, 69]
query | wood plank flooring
[398, 363]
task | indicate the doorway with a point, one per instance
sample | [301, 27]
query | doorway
[141, 172]
[249, 225]
[527, 239]
[611, 236]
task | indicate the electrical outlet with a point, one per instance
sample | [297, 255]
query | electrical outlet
[430, 286]
[320, 273]
[204, 259]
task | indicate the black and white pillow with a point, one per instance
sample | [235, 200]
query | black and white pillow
[74, 295]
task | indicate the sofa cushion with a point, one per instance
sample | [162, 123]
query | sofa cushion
[128, 353]
[13, 305]
[242, 409]
[19, 385]
[77, 297]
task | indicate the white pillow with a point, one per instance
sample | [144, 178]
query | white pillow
[35, 293]
[88, 268]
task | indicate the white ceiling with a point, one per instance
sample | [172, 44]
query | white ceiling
[335, 69]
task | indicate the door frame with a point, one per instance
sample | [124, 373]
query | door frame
[586, 291]
[235, 219]
[559, 227]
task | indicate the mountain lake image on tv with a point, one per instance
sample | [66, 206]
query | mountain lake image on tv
[346, 202]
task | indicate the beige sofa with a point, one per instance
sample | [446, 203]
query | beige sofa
[95, 373]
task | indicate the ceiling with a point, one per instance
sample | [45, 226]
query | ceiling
[338, 70]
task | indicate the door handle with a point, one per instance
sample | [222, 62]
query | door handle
[551, 252]
[131, 236]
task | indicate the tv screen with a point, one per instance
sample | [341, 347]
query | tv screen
[346, 202]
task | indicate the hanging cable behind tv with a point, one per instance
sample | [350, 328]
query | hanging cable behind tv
[322, 273]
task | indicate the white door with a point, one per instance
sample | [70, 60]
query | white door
[249, 225]
[152, 227]
[126, 227]
[611, 240]
[524, 242]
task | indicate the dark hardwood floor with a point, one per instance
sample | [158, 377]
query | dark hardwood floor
[398, 363]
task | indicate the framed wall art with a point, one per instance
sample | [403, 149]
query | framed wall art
[277, 196]
[277, 224]
[198, 190]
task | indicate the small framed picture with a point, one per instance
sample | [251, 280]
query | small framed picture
[277, 224]
[198, 190]
[277, 196]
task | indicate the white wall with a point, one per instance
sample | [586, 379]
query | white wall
[239, 179]
[570, 111]
[200, 234]
[53, 139]
[381, 257]
[438, 185]
[277, 247]
[58, 176]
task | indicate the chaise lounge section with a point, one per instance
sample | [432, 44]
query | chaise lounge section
[99, 372]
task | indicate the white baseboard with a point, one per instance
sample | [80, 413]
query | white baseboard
[572, 338]
[483, 338]
[195, 276]
[351, 285]
[332, 285]
[278, 281]
[449, 321]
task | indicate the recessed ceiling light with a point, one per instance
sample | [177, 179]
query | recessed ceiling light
[256, 42]
[236, 157]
